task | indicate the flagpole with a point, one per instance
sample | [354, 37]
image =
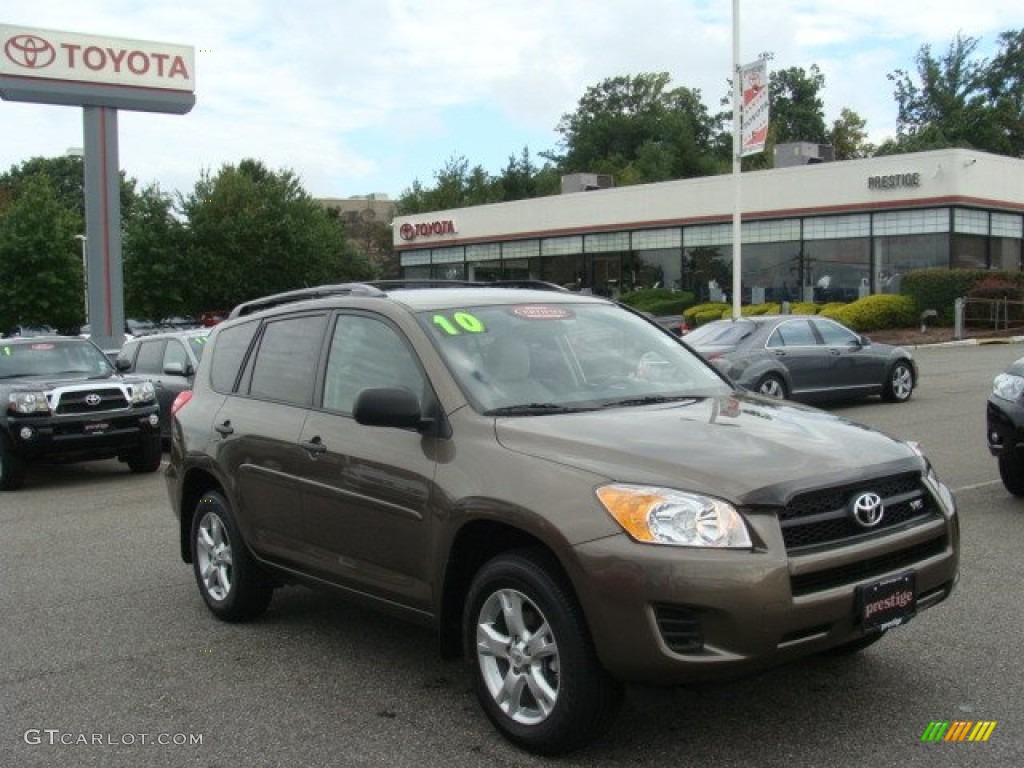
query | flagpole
[737, 227]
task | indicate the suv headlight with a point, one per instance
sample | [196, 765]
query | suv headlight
[28, 402]
[1008, 386]
[143, 393]
[666, 516]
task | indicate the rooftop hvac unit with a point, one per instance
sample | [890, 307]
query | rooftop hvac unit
[585, 182]
[802, 153]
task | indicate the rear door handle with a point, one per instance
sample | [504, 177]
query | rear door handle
[225, 429]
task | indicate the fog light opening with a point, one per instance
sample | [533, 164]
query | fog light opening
[154, 420]
[27, 433]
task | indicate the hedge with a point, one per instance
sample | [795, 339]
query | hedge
[875, 313]
[939, 288]
[658, 301]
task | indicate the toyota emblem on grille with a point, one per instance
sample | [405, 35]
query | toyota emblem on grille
[93, 399]
[867, 510]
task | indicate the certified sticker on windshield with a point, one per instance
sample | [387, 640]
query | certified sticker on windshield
[541, 312]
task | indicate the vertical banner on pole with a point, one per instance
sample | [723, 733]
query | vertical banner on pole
[754, 89]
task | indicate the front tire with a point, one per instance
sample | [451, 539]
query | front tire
[537, 675]
[12, 467]
[899, 384]
[148, 457]
[230, 581]
[1011, 470]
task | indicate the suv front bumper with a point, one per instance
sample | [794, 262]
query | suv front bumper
[667, 615]
[103, 435]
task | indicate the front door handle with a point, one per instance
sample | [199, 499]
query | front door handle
[314, 446]
[225, 429]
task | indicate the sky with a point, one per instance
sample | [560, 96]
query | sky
[364, 97]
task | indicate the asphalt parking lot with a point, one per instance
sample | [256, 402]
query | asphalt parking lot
[109, 657]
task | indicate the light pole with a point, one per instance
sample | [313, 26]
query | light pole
[85, 272]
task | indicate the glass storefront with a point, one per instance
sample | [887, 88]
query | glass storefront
[823, 258]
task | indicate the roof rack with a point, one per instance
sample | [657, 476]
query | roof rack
[305, 294]
[377, 288]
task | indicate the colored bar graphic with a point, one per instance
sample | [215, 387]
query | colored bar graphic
[958, 730]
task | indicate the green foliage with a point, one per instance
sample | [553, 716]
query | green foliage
[875, 313]
[639, 129]
[939, 289]
[156, 268]
[658, 301]
[67, 175]
[755, 310]
[705, 313]
[40, 260]
[957, 99]
[253, 232]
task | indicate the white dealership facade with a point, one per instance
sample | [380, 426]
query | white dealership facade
[834, 231]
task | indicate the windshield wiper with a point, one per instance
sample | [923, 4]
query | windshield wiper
[534, 409]
[648, 400]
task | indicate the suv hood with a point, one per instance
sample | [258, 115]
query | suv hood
[743, 449]
[52, 381]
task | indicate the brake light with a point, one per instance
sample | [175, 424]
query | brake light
[181, 401]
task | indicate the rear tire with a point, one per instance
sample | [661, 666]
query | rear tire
[537, 675]
[899, 383]
[230, 581]
[1011, 470]
[12, 467]
[772, 385]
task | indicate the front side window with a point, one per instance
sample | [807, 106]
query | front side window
[151, 358]
[287, 358]
[175, 354]
[835, 335]
[367, 353]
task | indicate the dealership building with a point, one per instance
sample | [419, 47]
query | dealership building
[831, 231]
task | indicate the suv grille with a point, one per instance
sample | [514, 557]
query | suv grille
[808, 583]
[823, 517]
[75, 402]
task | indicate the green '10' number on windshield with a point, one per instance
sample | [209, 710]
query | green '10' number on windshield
[463, 322]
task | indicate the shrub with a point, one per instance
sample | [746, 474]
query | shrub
[804, 308]
[753, 310]
[706, 310]
[658, 301]
[939, 289]
[875, 313]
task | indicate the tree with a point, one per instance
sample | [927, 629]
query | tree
[253, 232]
[457, 186]
[960, 100]
[157, 277]
[67, 174]
[797, 110]
[1004, 84]
[41, 281]
[639, 129]
[849, 137]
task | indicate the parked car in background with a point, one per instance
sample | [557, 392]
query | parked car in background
[1005, 425]
[25, 331]
[805, 357]
[169, 360]
[564, 491]
[62, 400]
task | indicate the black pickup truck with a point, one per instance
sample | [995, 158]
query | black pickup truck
[62, 400]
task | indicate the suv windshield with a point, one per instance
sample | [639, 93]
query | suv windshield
[549, 358]
[52, 358]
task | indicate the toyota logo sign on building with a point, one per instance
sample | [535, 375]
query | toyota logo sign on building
[29, 51]
[411, 231]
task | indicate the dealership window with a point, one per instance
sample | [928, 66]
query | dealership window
[657, 239]
[606, 242]
[1007, 234]
[662, 267]
[448, 263]
[561, 246]
[896, 255]
[777, 270]
[840, 267]
[415, 258]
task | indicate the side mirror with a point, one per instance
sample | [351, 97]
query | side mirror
[178, 369]
[386, 407]
[864, 341]
[123, 364]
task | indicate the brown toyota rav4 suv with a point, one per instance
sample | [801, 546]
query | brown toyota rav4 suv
[567, 493]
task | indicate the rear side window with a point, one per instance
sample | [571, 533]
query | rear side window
[231, 346]
[287, 359]
[793, 333]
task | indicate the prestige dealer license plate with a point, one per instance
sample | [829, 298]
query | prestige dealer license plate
[887, 603]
